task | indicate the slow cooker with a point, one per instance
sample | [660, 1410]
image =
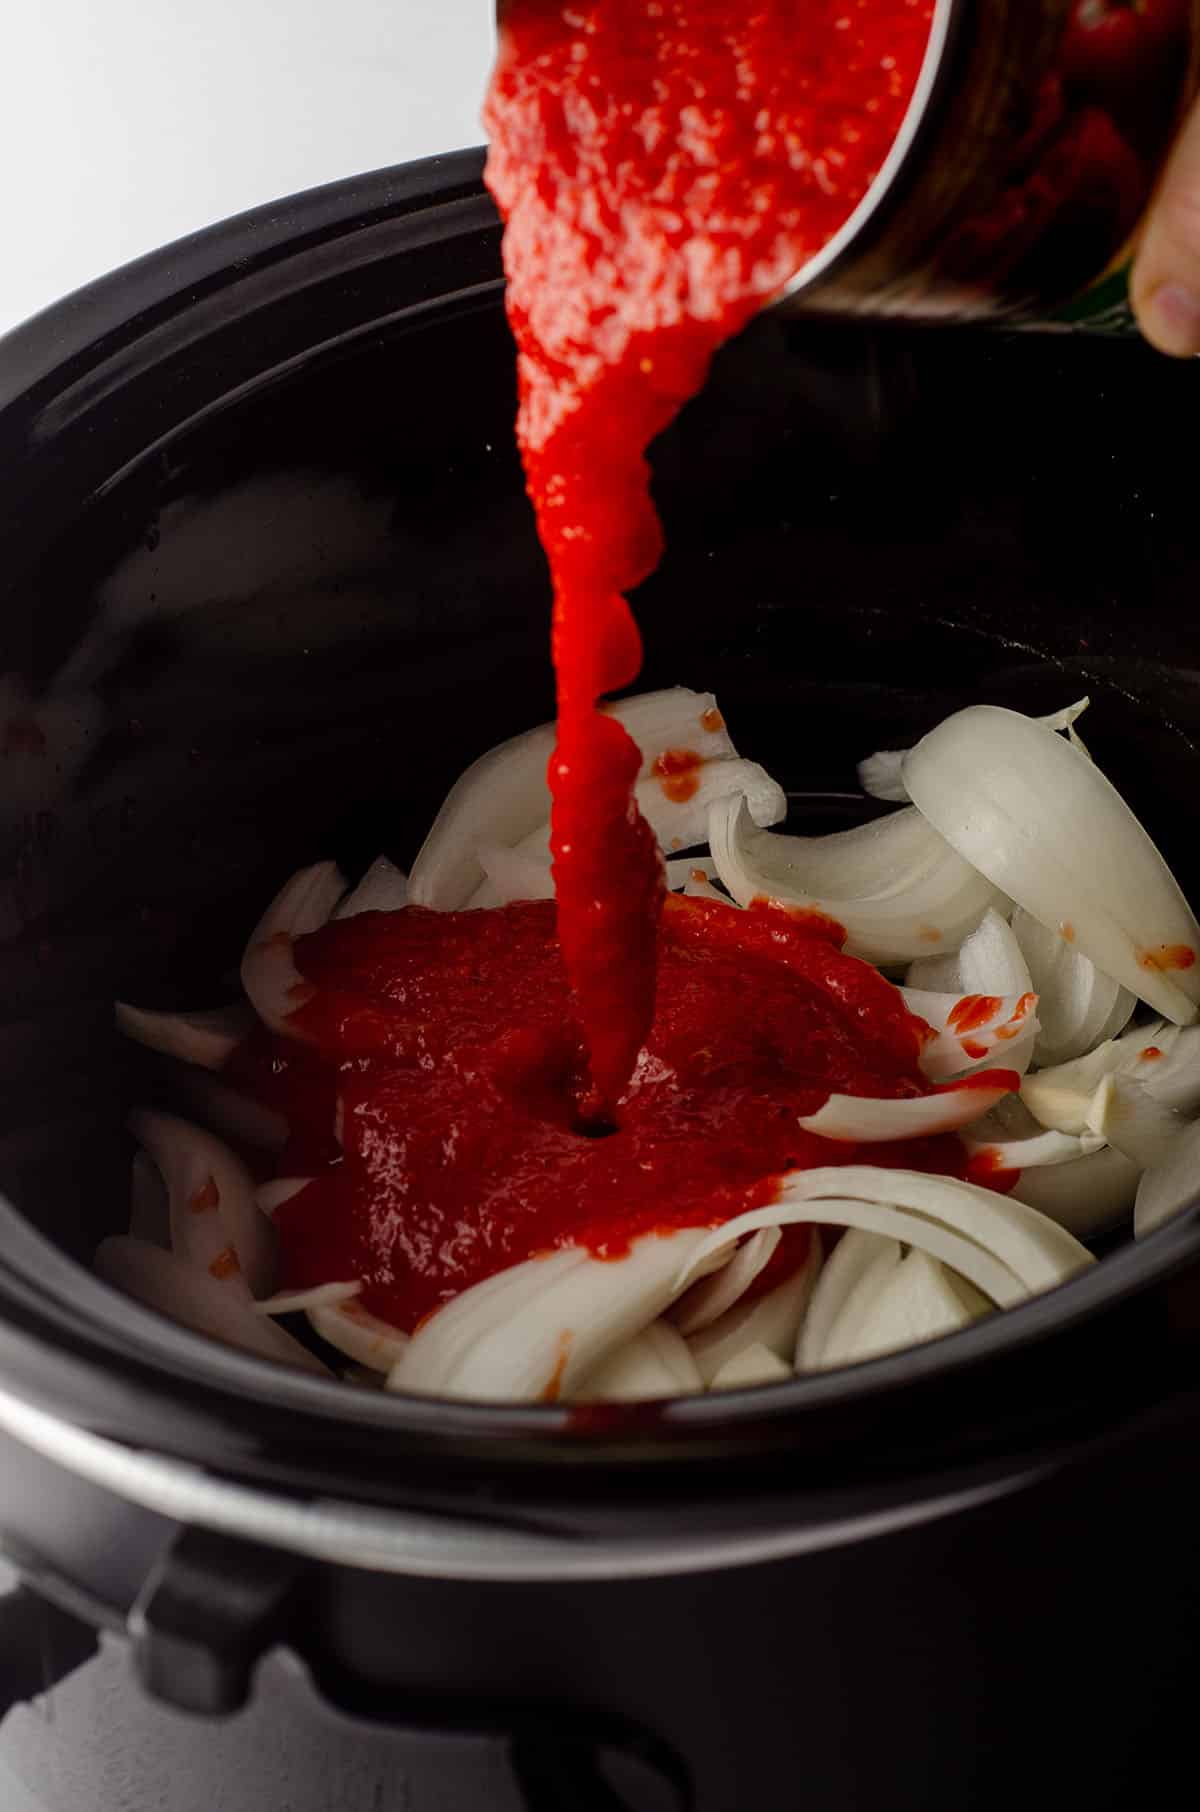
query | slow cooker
[269, 582]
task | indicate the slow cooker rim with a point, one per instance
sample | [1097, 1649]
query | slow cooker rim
[53, 1352]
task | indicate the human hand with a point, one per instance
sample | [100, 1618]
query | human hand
[1165, 286]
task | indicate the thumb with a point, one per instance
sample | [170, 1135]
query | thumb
[1165, 288]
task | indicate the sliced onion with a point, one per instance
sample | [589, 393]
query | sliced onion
[300, 1302]
[850, 1261]
[511, 874]
[917, 1300]
[384, 888]
[1085, 1196]
[855, 1286]
[534, 1331]
[215, 1225]
[1162, 1059]
[881, 776]
[772, 1321]
[936, 975]
[681, 823]
[362, 1336]
[164, 1282]
[1078, 1006]
[870, 1120]
[705, 1302]
[270, 1197]
[1033, 1153]
[149, 1205]
[896, 886]
[1128, 1117]
[1170, 1185]
[1044, 825]
[225, 1110]
[270, 977]
[503, 798]
[1006, 1026]
[208, 1039]
[655, 1363]
[754, 1365]
[682, 869]
[1001, 1246]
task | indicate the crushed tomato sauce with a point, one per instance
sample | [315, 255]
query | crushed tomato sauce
[663, 170]
[445, 1048]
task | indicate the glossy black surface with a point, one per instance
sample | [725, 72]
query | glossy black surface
[270, 582]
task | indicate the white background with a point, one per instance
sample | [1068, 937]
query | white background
[126, 123]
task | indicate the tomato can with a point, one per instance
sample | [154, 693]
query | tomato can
[1020, 179]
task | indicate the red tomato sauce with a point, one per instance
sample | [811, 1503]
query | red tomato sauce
[663, 169]
[433, 1092]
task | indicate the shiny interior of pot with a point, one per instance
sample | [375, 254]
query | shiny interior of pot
[275, 618]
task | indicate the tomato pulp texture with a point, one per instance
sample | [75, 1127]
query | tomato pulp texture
[663, 167]
[444, 1048]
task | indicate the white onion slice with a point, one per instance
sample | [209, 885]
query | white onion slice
[991, 961]
[1033, 1152]
[883, 1258]
[1046, 827]
[1128, 1117]
[1085, 1196]
[655, 1363]
[270, 1197]
[1169, 1186]
[509, 875]
[754, 1365]
[895, 885]
[149, 1204]
[682, 869]
[164, 1282]
[208, 1039]
[299, 1302]
[881, 775]
[680, 823]
[935, 975]
[535, 1330]
[1008, 1248]
[384, 888]
[1078, 1006]
[706, 1302]
[215, 1224]
[773, 1320]
[362, 1336]
[918, 1300]
[1163, 1059]
[225, 1110]
[849, 1262]
[503, 797]
[270, 977]
[870, 1120]
[951, 1052]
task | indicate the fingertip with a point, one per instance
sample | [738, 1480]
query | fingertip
[1169, 317]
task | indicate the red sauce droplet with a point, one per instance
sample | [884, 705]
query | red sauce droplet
[987, 1168]
[711, 720]
[1016, 1022]
[1167, 957]
[1067, 932]
[225, 1264]
[662, 171]
[553, 1389]
[1150, 1054]
[452, 1042]
[929, 934]
[206, 1198]
[678, 773]
[972, 1048]
[991, 1081]
[973, 1011]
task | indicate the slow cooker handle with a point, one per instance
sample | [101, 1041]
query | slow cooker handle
[214, 1606]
